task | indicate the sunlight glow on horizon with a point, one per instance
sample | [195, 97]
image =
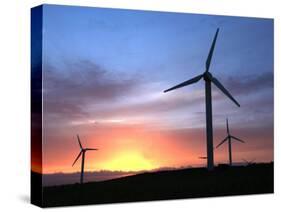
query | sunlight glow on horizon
[129, 161]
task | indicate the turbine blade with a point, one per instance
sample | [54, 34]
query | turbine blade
[77, 158]
[90, 149]
[208, 61]
[220, 86]
[245, 161]
[237, 139]
[79, 142]
[224, 140]
[188, 82]
[227, 126]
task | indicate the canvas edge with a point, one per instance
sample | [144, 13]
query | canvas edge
[36, 106]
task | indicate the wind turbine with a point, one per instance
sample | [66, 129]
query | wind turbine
[249, 163]
[229, 138]
[208, 78]
[82, 152]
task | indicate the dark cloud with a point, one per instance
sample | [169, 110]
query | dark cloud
[86, 80]
[242, 85]
[69, 90]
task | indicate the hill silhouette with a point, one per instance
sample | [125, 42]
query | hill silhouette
[162, 185]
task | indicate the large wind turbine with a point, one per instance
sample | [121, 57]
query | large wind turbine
[82, 152]
[229, 138]
[207, 76]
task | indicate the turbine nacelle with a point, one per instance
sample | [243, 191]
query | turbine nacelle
[207, 76]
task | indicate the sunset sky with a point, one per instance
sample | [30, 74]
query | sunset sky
[104, 73]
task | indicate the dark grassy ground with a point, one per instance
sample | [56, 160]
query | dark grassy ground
[186, 183]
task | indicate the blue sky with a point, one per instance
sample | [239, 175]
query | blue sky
[126, 40]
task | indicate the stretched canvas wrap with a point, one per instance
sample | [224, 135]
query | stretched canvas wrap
[131, 105]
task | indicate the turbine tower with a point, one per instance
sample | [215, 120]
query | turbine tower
[208, 78]
[82, 152]
[229, 138]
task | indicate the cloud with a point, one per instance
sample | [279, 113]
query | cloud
[69, 90]
[159, 103]
[85, 80]
[243, 85]
[84, 92]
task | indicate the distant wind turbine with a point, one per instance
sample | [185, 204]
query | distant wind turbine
[207, 76]
[229, 138]
[249, 163]
[82, 152]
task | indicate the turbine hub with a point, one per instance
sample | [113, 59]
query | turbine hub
[207, 76]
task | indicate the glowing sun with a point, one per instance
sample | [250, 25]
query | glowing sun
[129, 161]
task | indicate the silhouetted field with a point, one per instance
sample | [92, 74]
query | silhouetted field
[175, 184]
